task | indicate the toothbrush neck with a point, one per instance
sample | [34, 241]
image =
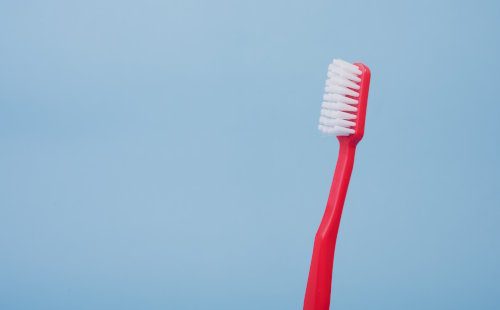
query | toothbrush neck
[338, 191]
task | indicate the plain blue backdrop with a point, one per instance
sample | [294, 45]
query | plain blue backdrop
[165, 154]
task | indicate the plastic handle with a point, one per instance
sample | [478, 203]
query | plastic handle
[320, 273]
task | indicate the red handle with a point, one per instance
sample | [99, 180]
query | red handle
[320, 273]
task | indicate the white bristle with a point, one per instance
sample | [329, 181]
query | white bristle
[337, 109]
[347, 66]
[338, 106]
[339, 98]
[337, 114]
[335, 122]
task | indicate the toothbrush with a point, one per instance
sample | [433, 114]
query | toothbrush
[343, 115]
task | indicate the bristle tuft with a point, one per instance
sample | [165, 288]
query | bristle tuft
[337, 114]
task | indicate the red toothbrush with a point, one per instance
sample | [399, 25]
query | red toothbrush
[343, 115]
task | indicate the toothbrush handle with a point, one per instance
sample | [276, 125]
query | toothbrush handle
[320, 273]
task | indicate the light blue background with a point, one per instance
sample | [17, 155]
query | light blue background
[164, 154]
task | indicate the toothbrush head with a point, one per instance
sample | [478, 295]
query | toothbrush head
[344, 102]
